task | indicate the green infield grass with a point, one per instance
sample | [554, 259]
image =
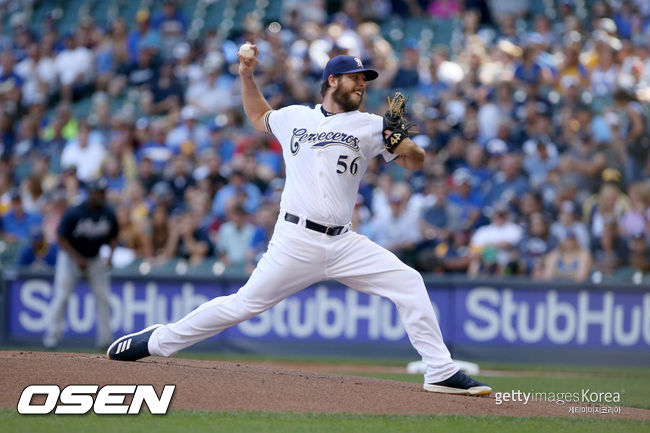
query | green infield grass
[263, 422]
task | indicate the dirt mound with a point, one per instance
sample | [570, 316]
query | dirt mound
[225, 386]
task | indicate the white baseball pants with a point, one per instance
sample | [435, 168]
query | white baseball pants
[298, 257]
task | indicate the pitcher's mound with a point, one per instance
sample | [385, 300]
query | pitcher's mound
[226, 386]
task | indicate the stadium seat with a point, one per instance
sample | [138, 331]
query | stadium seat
[188, 8]
[414, 26]
[100, 11]
[443, 31]
[70, 19]
[243, 8]
[127, 10]
[39, 13]
[82, 107]
[274, 10]
[538, 7]
[213, 15]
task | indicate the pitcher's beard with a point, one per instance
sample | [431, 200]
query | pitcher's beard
[345, 100]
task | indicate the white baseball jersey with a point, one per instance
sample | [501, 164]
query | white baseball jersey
[326, 156]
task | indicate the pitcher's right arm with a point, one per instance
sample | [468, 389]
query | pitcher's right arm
[255, 105]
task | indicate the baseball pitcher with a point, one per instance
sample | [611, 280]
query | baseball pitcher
[326, 150]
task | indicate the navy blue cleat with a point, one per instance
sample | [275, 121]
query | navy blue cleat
[131, 347]
[460, 384]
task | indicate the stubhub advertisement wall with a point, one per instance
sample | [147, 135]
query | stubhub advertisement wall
[480, 320]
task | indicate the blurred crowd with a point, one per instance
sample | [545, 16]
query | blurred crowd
[535, 125]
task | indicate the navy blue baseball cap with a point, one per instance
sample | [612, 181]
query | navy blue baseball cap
[347, 65]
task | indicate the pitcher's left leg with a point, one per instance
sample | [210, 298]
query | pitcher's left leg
[363, 265]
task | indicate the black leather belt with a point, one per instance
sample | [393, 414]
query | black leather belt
[330, 231]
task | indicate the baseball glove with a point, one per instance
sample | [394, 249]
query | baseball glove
[395, 122]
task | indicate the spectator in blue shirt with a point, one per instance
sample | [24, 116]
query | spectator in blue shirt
[266, 218]
[467, 199]
[475, 163]
[218, 140]
[170, 20]
[7, 134]
[407, 75]
[142, 29]
[39, 253]
[112, 171]
[529, 71]
[17, 223]
[625, 19]
[508, 182]
[443, 217]
[155, 150]
[433, 88]
[541, 158]
[236, 186]
[172, 26]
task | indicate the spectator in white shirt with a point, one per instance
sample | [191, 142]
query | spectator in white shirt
[46, 69]
[213, 93]
[74, 66]
[84, 153]
[234, 239]
[492, 245]
[190, 130]
[397, 230]
[38, 74]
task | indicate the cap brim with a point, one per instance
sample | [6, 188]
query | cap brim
[369, 74]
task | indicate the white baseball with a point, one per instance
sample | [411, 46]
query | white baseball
[246, 51]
